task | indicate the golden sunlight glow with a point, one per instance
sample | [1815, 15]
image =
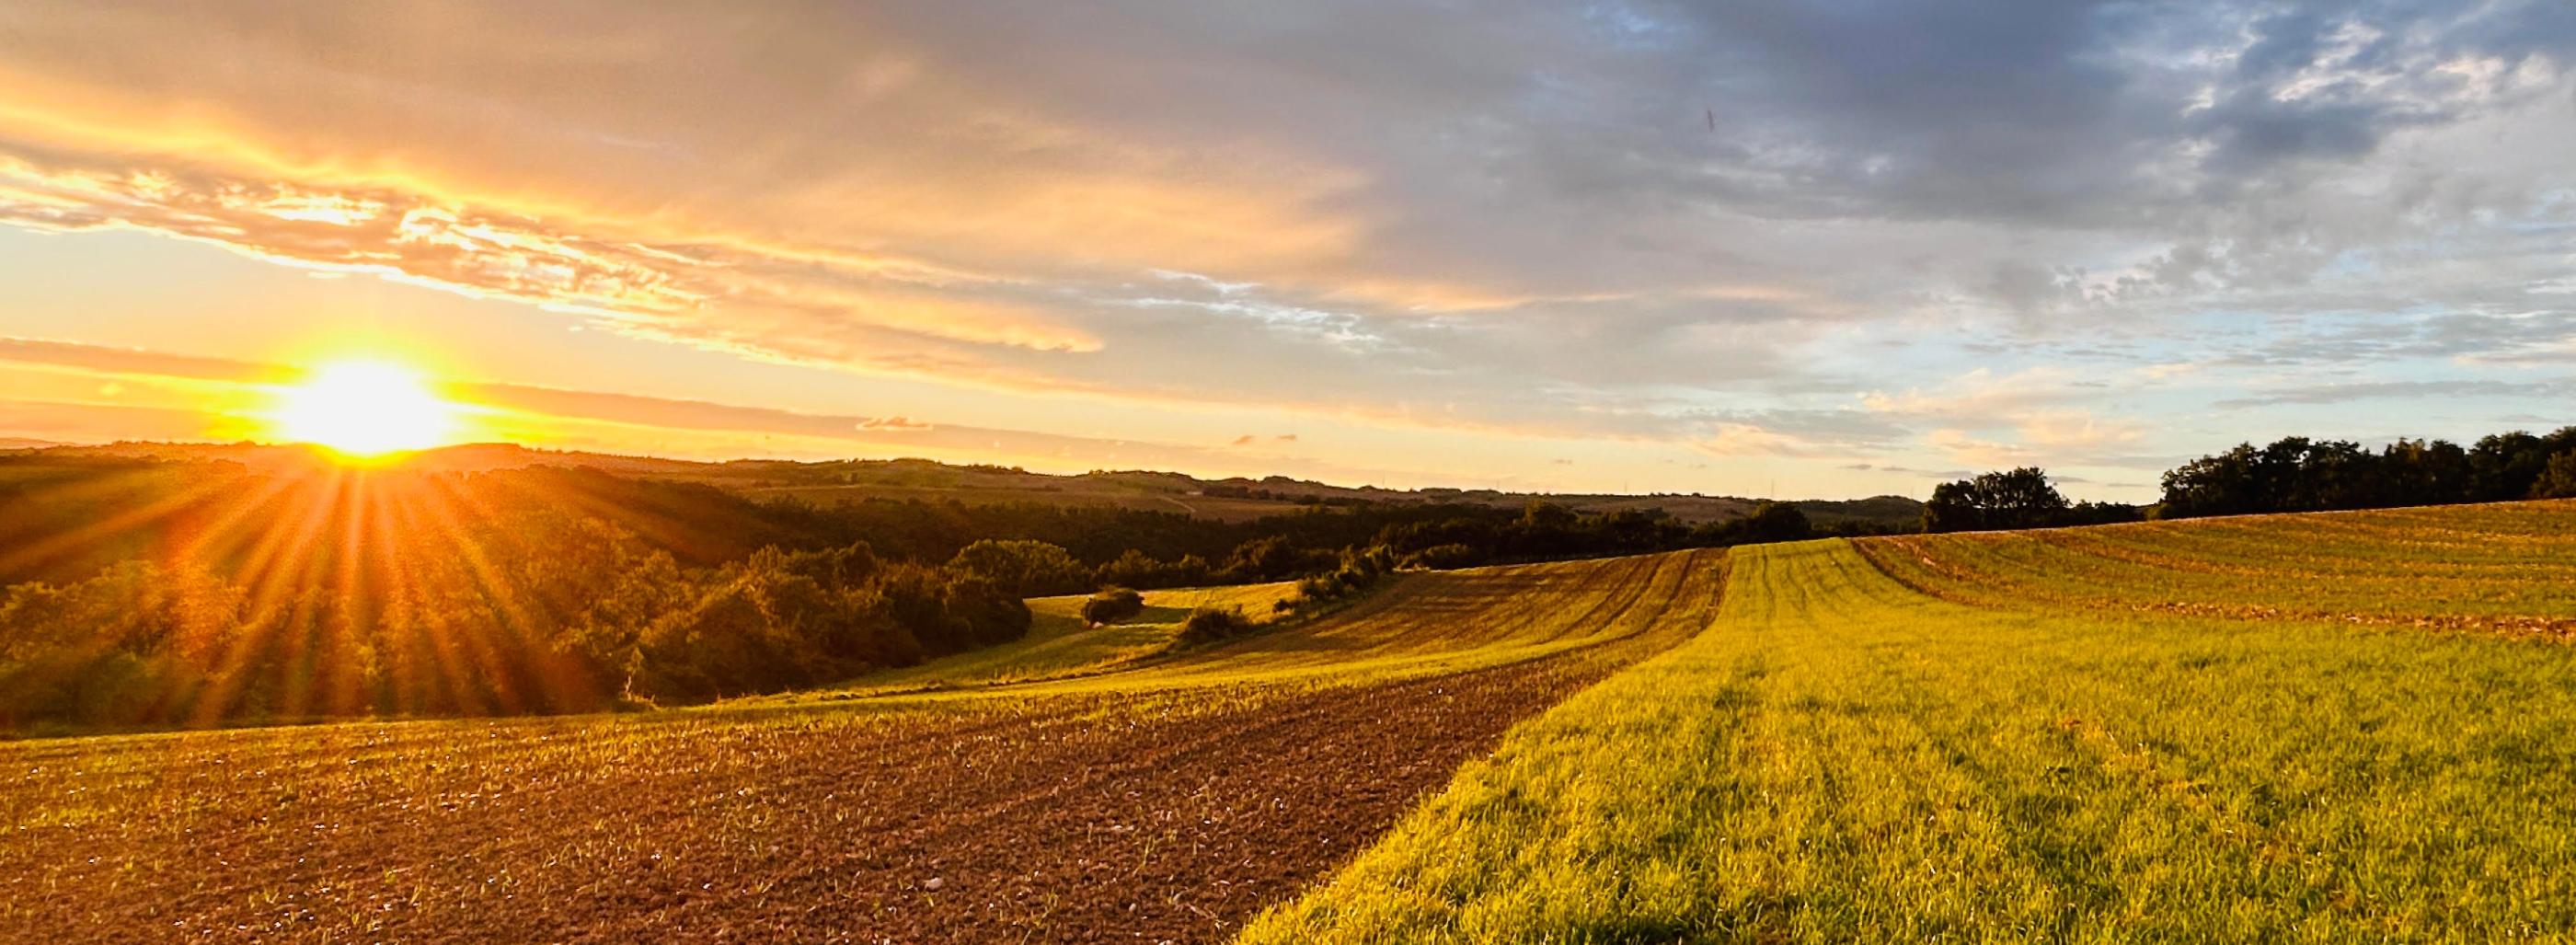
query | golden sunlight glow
[365, 409]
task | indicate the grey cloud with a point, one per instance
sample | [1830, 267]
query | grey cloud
[2339, 339]
[2383, 390]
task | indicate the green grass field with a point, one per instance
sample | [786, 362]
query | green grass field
[2505, 567]
[2111, 748]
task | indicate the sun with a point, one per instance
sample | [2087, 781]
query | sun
[365, 409]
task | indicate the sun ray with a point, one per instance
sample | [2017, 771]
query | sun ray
[280, 561]
[38, 551]
[451, 506]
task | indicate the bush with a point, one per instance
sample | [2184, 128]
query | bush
[1111, 605]
[1357, 571]
[1443, 557]
[1211, 624]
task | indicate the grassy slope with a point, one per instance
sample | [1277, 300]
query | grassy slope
[1842, 758]
[2504, 566]
[1422, 624]
[1059, 643]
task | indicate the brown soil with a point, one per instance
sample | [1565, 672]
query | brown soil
[1088, 819]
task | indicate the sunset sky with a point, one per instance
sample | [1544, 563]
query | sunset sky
[1813, 249]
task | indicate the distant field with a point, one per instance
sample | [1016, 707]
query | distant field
[1422, 624]
[2140, 733]
[2508, 567]
[1169, 800]
[1060, 644]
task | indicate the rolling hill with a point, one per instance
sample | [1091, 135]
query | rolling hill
[2323, 726]
[831, 482]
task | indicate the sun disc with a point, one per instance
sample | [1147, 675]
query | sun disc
[365, 409]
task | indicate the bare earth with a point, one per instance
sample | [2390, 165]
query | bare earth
[1069, 819]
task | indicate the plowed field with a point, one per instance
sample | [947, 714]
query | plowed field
[1167, 802]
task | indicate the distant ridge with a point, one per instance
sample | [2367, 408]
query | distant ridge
[468, 457]
[832, 481]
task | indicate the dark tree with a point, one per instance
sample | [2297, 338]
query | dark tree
[2224, 484]
[1777, 521]
[2019, 498]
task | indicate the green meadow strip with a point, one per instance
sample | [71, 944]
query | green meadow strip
[1840, 758]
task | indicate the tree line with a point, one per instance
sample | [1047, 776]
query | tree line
[2297, 474]
[2292, 474]
[1323, 544]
